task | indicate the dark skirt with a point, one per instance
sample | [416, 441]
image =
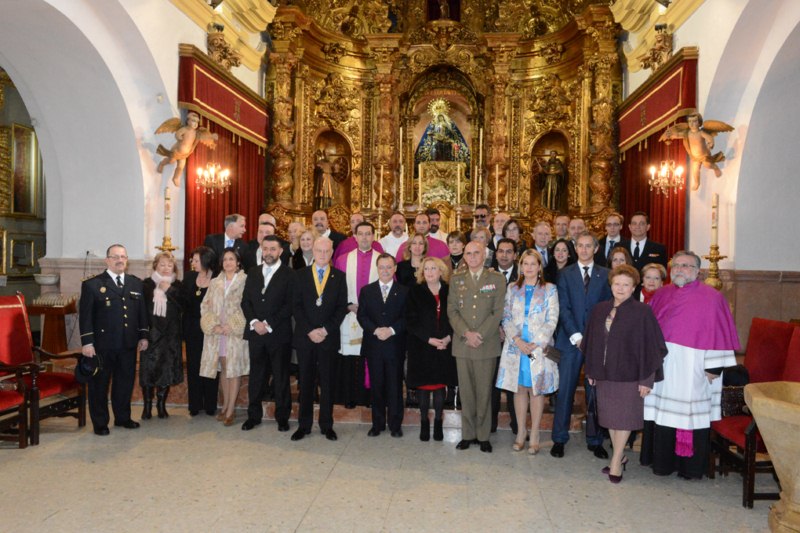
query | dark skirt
[619, 405]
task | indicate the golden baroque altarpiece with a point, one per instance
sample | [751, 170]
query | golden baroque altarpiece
[354, 89]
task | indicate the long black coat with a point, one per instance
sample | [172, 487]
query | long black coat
[426, 364]
[161, 364]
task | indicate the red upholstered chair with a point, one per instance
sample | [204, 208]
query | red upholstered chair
[50, 393]
[773, 354]
[14, 404]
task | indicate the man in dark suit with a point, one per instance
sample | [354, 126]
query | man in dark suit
[113, 323]
[541, 234]
[498, 222]
[253, 255]
[232, 237]
[267, 305]
[611, 239]
[381, 313]
[320, 304]
[319, 219]
[505, 259]
[581, 285]
[643, 250]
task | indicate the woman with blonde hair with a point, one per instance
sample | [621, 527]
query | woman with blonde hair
[224, 348]
[413, 254]
[161, 366]
[431, 366]
[529, 321]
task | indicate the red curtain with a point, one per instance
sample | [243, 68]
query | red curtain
[667, 213]
[205, 214]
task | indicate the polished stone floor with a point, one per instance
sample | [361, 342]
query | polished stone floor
[193, 474]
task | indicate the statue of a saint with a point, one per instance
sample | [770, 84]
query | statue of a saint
[444, 10]
[552, 180]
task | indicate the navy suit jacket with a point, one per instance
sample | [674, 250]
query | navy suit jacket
[216, 242]
[374, 313]
[653, 252]
[576, 304]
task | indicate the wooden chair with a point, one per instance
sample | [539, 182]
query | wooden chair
[50, 393]
[772, 354]
[14, 404]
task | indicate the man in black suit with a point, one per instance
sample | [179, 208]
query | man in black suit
[253, 255]
[506, 263]
[320, 304]
[541, 234]
[267, 305]
[113, 323]
[611, 239]
[643, 250]
[319, 219]
[235, 228]
[381, 313]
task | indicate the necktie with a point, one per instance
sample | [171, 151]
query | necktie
[228, 243]
[544, 256]
[586, 279]
[507, 274]
[475, 277]
[636, 251]
[320, 274]
[385, 292]
[267, 272]
[611, 245]
[119, 281]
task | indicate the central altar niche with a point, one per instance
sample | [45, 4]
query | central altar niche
[442, 158]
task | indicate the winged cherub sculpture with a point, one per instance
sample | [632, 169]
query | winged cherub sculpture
[698, 140]
[187, 136]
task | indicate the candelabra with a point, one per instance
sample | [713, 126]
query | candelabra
[667, 176]
[213, 178]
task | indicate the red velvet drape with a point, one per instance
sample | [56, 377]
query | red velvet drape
[205, 214]
[667, 213]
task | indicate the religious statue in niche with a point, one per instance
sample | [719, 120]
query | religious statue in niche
[444, 10]
[552, 179]
[330, 176]
[442, 140]
[698, 140]
[188, 136]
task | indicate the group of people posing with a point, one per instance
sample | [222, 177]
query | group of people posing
[483, 312]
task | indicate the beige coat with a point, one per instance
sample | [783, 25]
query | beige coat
[238, 354]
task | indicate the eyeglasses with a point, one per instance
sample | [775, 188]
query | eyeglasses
[117, 257]
[683, 266]
[479, 216]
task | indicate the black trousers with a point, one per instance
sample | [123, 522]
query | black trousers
[263, 357]
[203, 392]
[119, 366]
[664, 459]
[316, 361]
[386, 378]
[496, 392]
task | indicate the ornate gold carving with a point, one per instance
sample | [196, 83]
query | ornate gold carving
[443, 34]
[282, 149]
[660, 52]
[339, 218]
[551, 52]
[221, 52]
[334, 52]
[284, 31]
[550, 106]
[352, 19]
[336, 103]
[5, 169]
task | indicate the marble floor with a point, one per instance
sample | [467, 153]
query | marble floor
[193, 474]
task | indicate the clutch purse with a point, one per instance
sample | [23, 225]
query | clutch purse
[552, 353]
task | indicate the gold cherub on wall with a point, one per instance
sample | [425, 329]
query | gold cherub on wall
[698, 140]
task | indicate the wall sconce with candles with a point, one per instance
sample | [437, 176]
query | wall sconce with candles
[213, 178]
[667, 176]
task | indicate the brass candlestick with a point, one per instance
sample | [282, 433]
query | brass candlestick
[713, 268]
[166, 244]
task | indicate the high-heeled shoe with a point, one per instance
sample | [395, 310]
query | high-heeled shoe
[229, 420]
[624, 462]
[517, 446]
[614, 479]
[221, 416]
[533, 449]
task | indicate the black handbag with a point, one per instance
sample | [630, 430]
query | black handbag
[552, 353]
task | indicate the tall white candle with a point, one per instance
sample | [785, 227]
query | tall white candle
[420, 186]
[458, 186]
[497, 186]
[480, 165]
[380, 190]
[166, 212]
[714, 219]
[400, 184]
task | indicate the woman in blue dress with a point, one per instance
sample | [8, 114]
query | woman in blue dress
[529, 322]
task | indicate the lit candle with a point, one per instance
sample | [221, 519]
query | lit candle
[496, 186]
[714, 219]
[380, 190]
[420, 186]
[166, 212]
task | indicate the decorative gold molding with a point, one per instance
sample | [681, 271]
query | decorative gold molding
[243, 21]
[640, 17]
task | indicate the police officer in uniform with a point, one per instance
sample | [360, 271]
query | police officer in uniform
[113, 324]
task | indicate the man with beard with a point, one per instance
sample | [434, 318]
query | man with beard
[319, 219]
[701, 339]
[436, 218]
[267, 307]
[397, 234]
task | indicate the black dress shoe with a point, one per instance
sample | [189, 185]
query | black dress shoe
[486, 446]
[397, 433]
[283, 425]
[350, 405]
[557, 450]
[330, 434]
[250, 424]
[128, 424]
[194, 412]
[211, 412]
[598, 450]
[103, 431]
[373, 432]
[463, 444]
[300, 433]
